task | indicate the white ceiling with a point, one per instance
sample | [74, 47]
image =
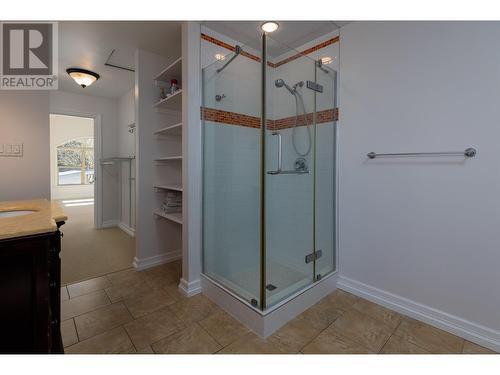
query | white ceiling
[290, 33]
[88, 44]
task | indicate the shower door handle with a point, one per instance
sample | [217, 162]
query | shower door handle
[280, 155]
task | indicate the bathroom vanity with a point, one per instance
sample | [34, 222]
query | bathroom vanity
[30, 276]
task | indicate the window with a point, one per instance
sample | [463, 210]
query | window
[75, 162]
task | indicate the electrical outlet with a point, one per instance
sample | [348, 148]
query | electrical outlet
[11, 149]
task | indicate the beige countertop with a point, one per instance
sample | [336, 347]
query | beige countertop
[43, 220]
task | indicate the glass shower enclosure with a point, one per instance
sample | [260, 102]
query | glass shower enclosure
[269, 178]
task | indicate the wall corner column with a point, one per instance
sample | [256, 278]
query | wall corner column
[192, 160]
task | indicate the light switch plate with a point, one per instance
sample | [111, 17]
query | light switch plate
[11, 149]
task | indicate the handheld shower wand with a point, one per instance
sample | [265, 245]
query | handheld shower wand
[280, 83]
[299, 102]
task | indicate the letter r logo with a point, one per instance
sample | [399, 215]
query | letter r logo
[27, 49]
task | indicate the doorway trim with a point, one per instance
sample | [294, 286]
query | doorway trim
[97, 157]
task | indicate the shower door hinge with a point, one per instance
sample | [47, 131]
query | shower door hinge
[314, 256]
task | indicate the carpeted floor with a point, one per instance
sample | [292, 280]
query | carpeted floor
[88, 252]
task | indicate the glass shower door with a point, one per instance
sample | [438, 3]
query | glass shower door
[288, 173]
[325, 171]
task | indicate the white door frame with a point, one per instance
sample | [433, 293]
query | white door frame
[97, 157]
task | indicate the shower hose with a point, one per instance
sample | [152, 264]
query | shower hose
[298, 98]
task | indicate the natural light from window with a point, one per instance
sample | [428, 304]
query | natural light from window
[75, 162]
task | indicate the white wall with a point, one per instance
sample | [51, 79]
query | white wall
[126, 148]
[69, 103]
[24, 118]
[63, 129]
[423, 229]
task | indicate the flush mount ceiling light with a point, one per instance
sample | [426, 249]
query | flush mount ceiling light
[82, 76]
[220, 56]
[269, 27]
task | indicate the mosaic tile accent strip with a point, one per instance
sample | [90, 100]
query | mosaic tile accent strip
[220, 43]
[322, 117]
[230, 118]
[239, 119]
[308, 51]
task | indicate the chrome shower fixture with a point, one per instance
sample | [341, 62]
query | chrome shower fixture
[299, 105]
[293, 90]
[319, 64]
[280, 83]
[237, 51]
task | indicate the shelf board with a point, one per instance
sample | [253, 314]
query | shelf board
[171, 186]
[176, 217]
[173, 101]
[171, 130]
[173, 71]
[169, 158]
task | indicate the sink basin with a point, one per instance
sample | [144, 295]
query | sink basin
[4, 214]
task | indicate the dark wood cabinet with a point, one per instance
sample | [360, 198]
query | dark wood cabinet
[30, 294]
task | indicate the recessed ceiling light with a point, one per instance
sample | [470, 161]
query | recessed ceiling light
[269, 27]
[326, 60]
[219, 56]
[82, 76]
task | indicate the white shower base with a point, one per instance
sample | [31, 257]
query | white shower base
[264, 323]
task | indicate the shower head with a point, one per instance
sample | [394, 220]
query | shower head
[280, 83]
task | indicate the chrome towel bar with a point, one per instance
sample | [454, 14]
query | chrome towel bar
[468, 153]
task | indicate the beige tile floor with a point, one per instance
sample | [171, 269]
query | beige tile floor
[143, 312]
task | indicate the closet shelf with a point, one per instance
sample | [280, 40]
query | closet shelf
[173, 101]
[175, 129]
[173, 71]
[176, 217]
[176, 187]
[169, 158]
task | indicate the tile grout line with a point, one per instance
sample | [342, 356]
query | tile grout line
[392, 334]
[213, 337]
[323, 330]
[76, 330]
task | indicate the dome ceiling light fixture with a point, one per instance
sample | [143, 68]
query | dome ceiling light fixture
[269, 27]
[83, 77]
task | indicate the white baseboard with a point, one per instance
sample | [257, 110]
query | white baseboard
[124, 227]
[468, 330]
[190, 289]
[109, 224]
[144, 263]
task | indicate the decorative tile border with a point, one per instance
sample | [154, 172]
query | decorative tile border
[230, 118]
[324, 44]
[307, 51]
[239, 119]
[328, 115]
[220, 43]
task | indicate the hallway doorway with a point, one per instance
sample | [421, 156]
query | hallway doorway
[89, 249]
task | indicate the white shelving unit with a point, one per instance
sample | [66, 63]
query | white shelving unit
[176, 217]
[171, 130]
[172, 186]
[169, 158]
[173, 71]
[173, 103]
